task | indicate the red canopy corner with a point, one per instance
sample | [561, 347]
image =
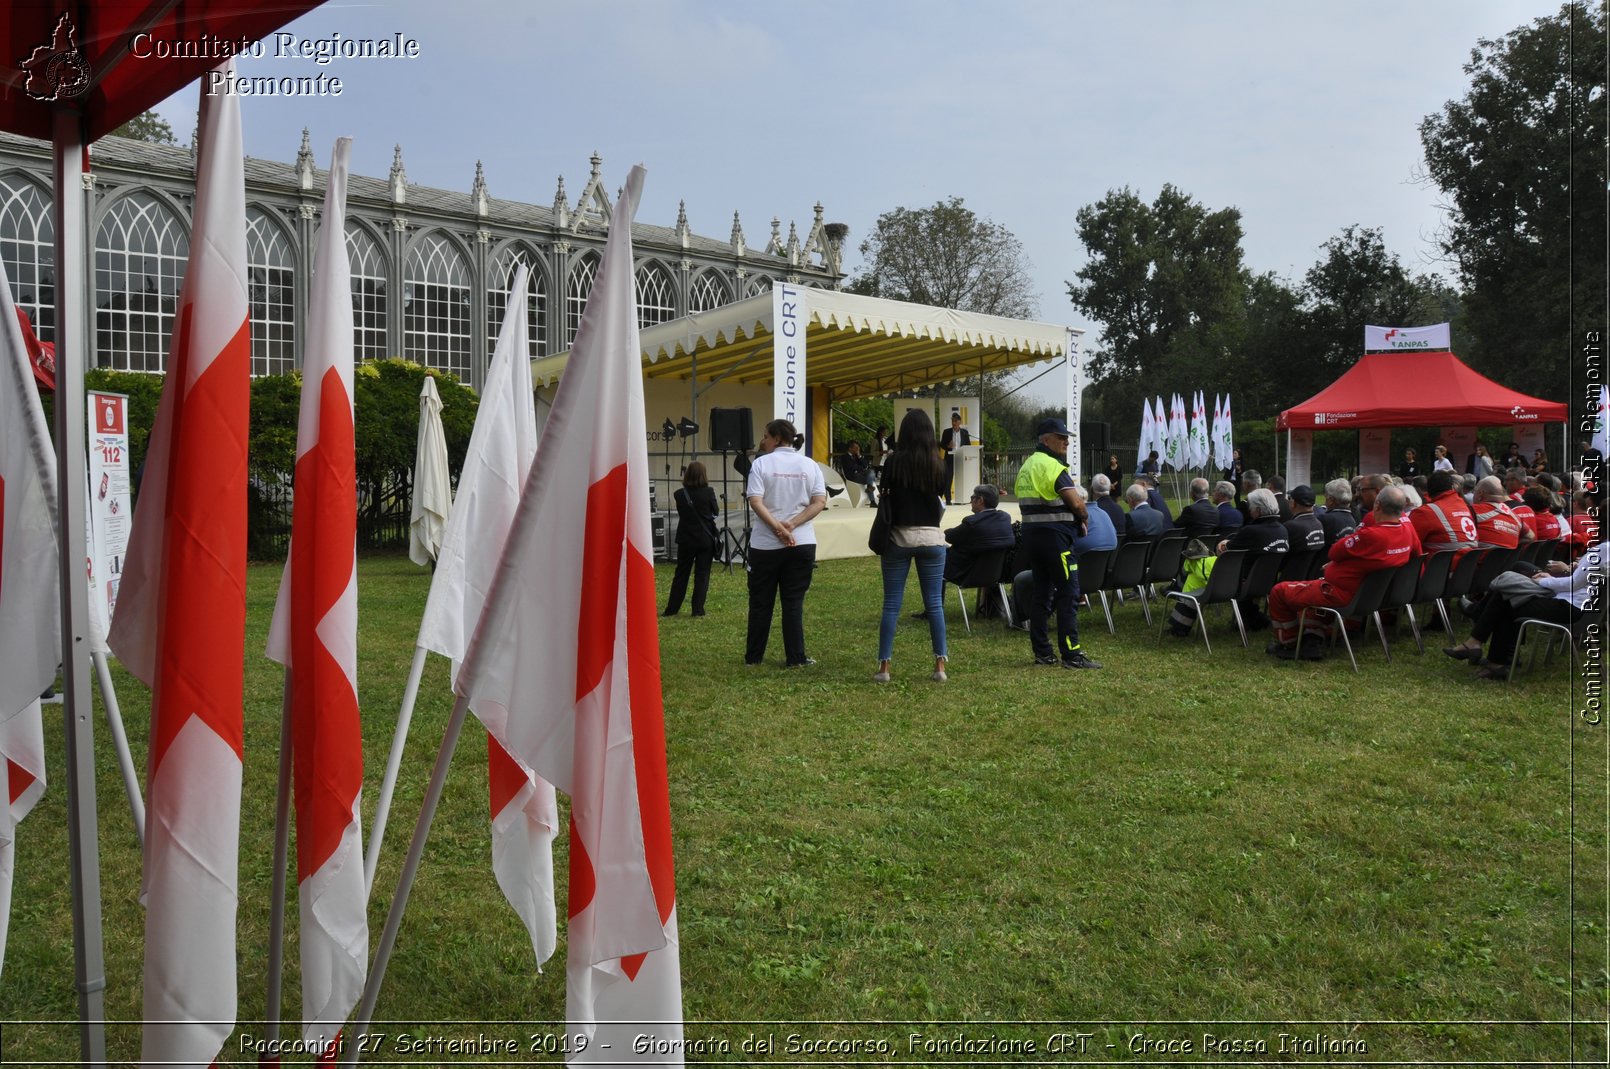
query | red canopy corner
[1416, 389]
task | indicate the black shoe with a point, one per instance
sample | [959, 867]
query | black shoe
[1258, 625]
[670, 612]
[1178, 631]
[806, 663]
[1464, 653]
[1049, 660]
[1313, 650]
[697, 612]
[1284, 650]
[1079, 660]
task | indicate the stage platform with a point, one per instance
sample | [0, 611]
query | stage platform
[841, 531]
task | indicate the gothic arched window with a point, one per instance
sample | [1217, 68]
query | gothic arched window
[271, 289]
[656, 295]
[369, 340]
[28, 248]
[502, 277]
[140, 253]
[757, 285]
[709, 290]
[577, 289]
[436, 307]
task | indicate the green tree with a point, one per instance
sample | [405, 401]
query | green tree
[947, 255]
[1162, 279]
[148, 126]
[1356, 282]
[1522, 160]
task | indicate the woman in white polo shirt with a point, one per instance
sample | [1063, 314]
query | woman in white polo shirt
[785, 491]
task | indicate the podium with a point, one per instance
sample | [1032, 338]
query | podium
[968, 467]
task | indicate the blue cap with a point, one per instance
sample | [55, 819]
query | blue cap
[1052, 426]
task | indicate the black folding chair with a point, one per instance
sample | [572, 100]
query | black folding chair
[1262, 572]
[1224, 583]
[1366, 605]
[1492, 564]
[1571, 637]
[1434, 568]
[985, 571]
[1400, 595]
[1295, 566]
[1128, 570]
[1092, 575]
[1163, 566]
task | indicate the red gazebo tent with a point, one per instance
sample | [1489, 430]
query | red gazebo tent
[1416, 390]
[71, 71]
[1413, 389]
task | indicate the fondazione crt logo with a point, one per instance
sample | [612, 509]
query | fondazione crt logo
[58, 70]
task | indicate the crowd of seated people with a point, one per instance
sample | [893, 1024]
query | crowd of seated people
[1358, 525]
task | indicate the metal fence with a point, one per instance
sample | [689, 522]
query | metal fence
[384, 507]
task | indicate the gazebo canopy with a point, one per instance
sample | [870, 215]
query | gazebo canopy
[855, 346]
[113, 78]
[1416, 389]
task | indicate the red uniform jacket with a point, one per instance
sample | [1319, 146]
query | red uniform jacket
[1370, 548]
[1545, 525]
[1445, 522]
[1496, 525]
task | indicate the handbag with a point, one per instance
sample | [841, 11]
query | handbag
[882, 533]
[1516, 588]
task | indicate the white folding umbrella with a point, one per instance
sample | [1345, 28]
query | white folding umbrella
[433, 489]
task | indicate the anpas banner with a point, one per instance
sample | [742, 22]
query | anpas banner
[110, 513]
[1391, 339]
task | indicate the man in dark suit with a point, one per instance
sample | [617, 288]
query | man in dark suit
[986, 529]
[1199, 519]
[1229, 517]
[954, 438]
[1144, 523]
[1101, 495]
[1154, 497]
[1338, 521]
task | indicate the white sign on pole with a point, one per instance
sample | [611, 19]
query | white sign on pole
[788, 322]
[110, 514]
[1075, 388]
[1398, 339]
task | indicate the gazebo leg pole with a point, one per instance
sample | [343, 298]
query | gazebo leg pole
[72, 352]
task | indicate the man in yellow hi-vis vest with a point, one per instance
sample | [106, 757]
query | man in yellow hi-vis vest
[1053, 516]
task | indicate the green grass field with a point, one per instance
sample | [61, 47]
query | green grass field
[1409, 859]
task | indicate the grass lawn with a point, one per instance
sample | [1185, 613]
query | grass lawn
[1409, 859]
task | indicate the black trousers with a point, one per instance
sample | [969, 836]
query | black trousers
[698, 562]
[785, 571]
[1501, 621]
[1055, 567]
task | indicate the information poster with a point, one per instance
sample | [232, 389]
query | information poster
[1375, 450]
[110, 511]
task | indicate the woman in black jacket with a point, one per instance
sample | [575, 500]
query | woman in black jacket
[913, 480]
[696, 538]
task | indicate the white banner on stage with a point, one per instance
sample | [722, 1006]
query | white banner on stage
[110, 512]
[1395, 339]
[788, 322]
[1075, 388]
[1529, 437]
[1299, 457]
[1461, 442]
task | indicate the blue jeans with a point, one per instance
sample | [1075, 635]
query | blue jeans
[931, 576]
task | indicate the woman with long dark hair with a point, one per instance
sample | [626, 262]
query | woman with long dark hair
[913, 485]
[696, 538]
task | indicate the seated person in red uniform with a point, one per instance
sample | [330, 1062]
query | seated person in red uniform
[1386, 540]
[1543, 522]
[1497, 526]
[1444, 520]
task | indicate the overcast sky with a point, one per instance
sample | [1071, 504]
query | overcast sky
[1303, 115]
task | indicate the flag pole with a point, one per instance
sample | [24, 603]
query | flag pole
[282, 849]
[393, 762]
[405, 881]
[125, 763]
[72, 342]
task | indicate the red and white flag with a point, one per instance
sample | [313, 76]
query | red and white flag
[30, 608]
[564, 670]
[315, 634]
[525, 813]
[180, 622]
